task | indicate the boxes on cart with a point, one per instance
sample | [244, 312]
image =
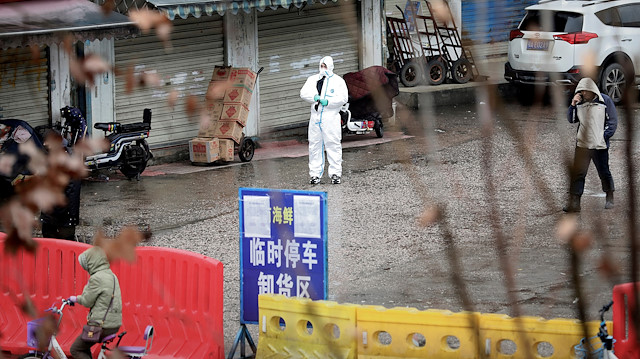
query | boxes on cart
[235, 112]
[208, 126]
[204, 150]
[229, 129]
[217, 89]
[238, 95]
[243, 76]
[226, 150]
[221, 73]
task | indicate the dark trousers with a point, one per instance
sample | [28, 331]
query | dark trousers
[82, 350]
[581, 161]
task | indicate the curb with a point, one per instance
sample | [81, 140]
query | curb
[464, 94]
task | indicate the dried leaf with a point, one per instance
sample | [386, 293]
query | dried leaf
[440, 10]
[130, 80]
[35, 53]
[608, 267]
[28, 307]
[172, 98]
[589, 68]
[18, 221]
[121, 247]
[566, 228]
[6, 164]
[150, 78]
[581, 241]
[37, 159]
[217, 89]
[429, 217]
[108, 7]
[44, 332]
[192, 105]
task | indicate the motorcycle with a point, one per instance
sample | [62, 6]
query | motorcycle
[371, 92]
[128, 148]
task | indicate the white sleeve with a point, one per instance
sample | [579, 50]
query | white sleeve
[341, 95]
[308, 91]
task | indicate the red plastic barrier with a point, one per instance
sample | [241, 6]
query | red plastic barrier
[176, 291]
[624, 331]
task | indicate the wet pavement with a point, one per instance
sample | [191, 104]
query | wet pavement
[378, 252]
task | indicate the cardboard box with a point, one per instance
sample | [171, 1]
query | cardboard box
[221, 73]
[217, 89]
[235, 112]
[214, 109]
[243, 76]
[204, 150]
[227, 148]
[238, 95]
[207, 130]
[230, 130]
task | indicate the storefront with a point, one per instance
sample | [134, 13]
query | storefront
[291, 42]
[35, 80]
[184, 69]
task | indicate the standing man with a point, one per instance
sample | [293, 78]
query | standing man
[326, 92]
[598, 120]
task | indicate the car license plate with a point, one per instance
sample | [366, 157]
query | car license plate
[541, 45]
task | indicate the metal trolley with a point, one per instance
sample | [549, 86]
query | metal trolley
[432, 52]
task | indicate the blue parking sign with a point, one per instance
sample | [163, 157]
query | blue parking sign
[283, 246]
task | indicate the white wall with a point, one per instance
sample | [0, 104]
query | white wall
[241, 50]
[60, 85]
[100, 97]
[371, 33]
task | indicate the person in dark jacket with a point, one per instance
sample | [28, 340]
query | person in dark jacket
[102, 292]
[597, 117]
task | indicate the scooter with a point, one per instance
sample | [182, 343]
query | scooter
[128, 149]
[361, 126]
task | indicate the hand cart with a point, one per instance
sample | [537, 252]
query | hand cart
[434, 52]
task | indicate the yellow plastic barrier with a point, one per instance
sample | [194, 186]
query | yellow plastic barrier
[410, 333]
[301, 328]
[507, 337]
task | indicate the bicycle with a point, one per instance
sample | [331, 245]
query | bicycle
[54, 349]
[605, 351]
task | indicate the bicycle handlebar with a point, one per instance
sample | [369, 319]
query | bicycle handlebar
[605, 309]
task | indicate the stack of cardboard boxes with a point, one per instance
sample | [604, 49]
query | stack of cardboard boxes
[227, 101]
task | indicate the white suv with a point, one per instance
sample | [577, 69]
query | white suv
[555, 38]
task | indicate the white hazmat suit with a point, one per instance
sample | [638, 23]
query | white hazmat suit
[325, 129]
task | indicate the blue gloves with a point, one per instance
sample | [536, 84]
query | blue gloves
[324, 102]
[316, 97]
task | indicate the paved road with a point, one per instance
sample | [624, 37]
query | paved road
[378, 253]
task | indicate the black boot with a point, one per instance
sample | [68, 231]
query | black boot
[609, 201]
[574, 204]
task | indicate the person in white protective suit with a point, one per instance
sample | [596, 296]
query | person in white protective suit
[326, 92]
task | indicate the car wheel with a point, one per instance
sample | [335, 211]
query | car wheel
[412, 73]
[613, 82]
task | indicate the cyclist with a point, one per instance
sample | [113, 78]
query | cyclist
[101, 295]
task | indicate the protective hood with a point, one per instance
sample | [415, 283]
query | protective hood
[589, 85]
[93, 260]
[327, 60]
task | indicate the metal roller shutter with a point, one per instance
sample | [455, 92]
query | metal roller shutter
[290, 45]
[487, 24]
[197, 46]
[24, 86]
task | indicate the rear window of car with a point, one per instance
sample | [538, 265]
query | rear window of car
[610, 17]
[551, 21]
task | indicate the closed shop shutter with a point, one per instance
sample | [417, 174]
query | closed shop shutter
[196, 47]
[290, 46]
[24, 86]
[487, 23]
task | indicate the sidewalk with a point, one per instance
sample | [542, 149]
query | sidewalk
[451, 93]
[271, 150]
[442, 95]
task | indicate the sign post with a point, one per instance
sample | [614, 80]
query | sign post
[283, 249]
